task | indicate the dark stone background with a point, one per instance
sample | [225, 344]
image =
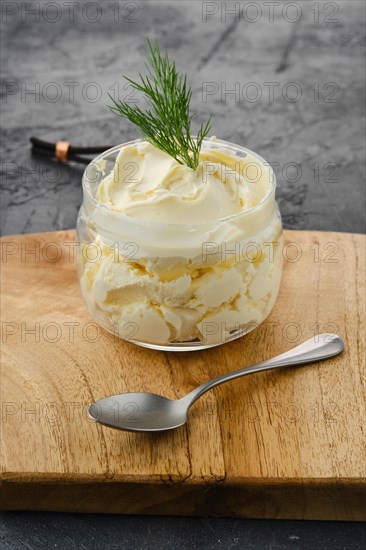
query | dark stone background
[318, 140]
[312, 129]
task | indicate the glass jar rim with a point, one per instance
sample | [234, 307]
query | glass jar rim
[138, 221]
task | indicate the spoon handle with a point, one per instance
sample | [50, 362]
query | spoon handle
[320, 347]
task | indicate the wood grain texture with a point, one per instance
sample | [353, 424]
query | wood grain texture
[287, 444]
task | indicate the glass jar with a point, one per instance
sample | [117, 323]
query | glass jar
[179, 287]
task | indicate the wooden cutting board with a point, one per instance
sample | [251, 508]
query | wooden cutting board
[287, 444]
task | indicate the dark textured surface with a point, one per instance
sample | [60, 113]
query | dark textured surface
[71, 532]
[317, 140]
[311, 129]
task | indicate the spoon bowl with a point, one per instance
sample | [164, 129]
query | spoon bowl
[139, 412]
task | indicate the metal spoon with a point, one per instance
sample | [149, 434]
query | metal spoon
[149, 412]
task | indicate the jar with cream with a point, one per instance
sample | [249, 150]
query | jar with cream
[173, 258]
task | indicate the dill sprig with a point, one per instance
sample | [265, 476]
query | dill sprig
[167, 123]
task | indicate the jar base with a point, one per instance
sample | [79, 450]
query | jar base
[193, 345]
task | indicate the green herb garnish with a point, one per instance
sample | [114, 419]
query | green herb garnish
[167, 123]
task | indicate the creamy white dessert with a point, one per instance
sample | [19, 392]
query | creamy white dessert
[183, 254]
[150, 185]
